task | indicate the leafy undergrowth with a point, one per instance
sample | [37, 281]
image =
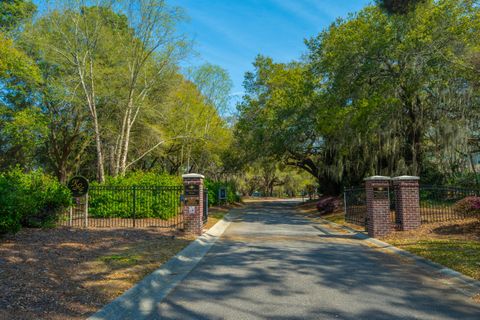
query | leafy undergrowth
[453, 244]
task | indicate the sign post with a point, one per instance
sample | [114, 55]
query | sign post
[222, 194]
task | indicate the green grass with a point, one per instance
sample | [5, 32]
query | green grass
[460, 255]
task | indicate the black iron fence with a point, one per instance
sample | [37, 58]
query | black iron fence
[135, 206]
[437, 204]
[205, 205]
[355, 202]
[443, 203]
[394, 217]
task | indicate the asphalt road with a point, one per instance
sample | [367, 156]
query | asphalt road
[273, 264]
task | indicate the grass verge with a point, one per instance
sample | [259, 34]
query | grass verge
[454, 244]
[460, 255]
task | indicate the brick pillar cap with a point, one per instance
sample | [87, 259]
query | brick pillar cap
[193, 175]
[373, 178]
[406, 178]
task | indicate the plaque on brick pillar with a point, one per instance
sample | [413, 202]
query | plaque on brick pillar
[378, 206]
[193, 204]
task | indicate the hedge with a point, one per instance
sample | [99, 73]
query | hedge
[32, 199]
[156, 196]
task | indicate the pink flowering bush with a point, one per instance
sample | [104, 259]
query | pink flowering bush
[328, 204]
[468, 206]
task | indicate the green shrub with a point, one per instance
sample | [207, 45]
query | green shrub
[213, 189]
[31, 199]
[156, 196]
[140, 178]
[465, 180]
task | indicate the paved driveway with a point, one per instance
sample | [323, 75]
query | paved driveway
[273, 264]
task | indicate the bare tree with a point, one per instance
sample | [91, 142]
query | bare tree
[74, 40]
[150, 51]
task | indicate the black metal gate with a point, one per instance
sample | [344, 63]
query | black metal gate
[394, 217]
[355, 203]
[128, 206]
[355, 206]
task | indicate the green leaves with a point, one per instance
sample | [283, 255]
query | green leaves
[399, 6]
[14, 12]
[30, 199]
[378, 94]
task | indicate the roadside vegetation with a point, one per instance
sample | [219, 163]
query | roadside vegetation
[390, 90]
[453, 244]
[102, 89]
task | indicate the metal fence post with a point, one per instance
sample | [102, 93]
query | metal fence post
[345, 200]
[86, 210]
[134, 213]
[70, 218]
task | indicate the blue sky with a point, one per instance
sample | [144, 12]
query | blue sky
[230, 33]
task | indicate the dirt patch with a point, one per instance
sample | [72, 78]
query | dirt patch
[470, 229]
[467, 229]
[70, 273]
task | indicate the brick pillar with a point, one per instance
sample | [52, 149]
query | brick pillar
[378, 206]
[407, 202]
[193, 208]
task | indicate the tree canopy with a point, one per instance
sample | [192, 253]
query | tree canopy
[95, 87]
[378, 93]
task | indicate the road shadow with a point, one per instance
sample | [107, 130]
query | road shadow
[296, 279]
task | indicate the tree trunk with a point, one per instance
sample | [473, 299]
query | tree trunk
[98, 142]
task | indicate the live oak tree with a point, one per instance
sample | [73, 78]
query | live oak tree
[379, 93]
[399, 6]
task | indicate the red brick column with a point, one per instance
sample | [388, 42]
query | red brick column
[378, 206]
[193, 206]
[407, 197]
